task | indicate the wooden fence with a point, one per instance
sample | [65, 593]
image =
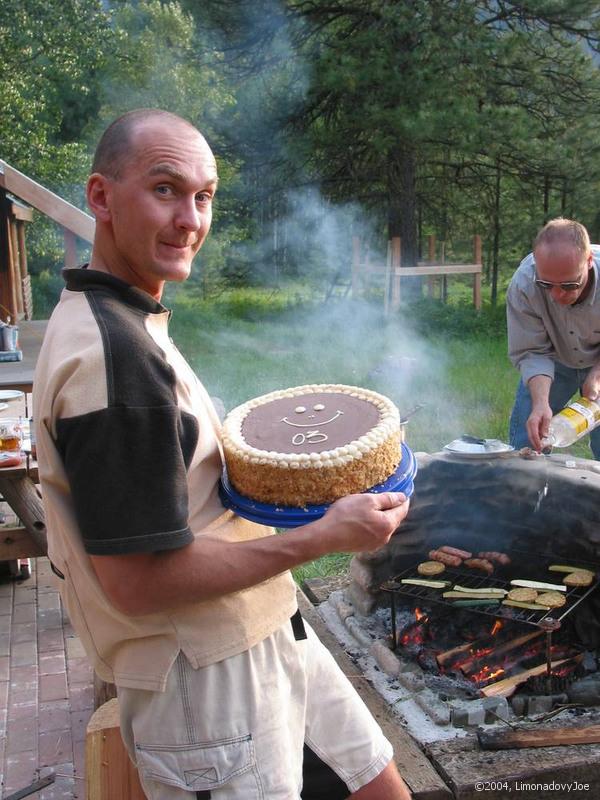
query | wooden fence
[393, 272]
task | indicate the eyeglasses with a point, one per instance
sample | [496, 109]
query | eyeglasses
[566, 286]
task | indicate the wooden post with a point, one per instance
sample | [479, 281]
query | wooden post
[431, 259]
[396, 265]
[355, 266]
[16, 267]
[12, 274]
[70, 248]
[444, 292]
[22, 248]
[477, 277]
[109, 772]
[386, 287]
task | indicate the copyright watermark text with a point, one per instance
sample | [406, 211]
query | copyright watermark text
[526, 786]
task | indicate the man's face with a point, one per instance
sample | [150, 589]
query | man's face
[160, 208]
[561, 266]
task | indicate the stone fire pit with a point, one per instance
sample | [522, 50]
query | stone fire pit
[541, 510]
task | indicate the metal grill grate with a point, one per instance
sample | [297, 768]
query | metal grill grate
[547, 620]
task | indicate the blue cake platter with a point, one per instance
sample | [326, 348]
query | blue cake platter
[292, 517]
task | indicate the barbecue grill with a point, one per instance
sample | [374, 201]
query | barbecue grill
[546, 620]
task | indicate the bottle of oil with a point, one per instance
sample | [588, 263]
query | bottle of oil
[574, 421]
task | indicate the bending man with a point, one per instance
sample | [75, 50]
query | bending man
[553, 312]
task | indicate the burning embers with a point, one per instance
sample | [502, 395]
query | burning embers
[497, 662]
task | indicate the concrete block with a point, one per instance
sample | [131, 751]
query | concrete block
[539, 704]
[466, 716]
[438, 711]
[412, 681]
[344, 609]
[361, 573]
[359, 633]
[496, 708]
[387, 660]
[363, 602]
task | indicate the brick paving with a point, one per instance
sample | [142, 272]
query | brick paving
[46, 689]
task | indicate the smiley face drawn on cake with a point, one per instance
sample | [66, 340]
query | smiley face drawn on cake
[317, 407]
[313, 436]
[308, 422]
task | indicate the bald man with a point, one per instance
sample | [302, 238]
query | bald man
[190, 610]
[553, 312]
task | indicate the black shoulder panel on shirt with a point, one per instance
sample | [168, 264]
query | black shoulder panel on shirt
[137, 371]
[127, 463]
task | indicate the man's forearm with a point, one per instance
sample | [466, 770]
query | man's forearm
[205, 569]
[539, 389]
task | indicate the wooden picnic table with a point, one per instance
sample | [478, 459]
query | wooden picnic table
[19, 485]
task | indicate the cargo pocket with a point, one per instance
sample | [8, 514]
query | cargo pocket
[228, 764]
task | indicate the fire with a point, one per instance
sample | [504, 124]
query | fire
[487, 674]
[420, 615]
[498, 625]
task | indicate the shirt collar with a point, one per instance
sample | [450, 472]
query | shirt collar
[84, 279]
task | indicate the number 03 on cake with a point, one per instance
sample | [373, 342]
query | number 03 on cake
[311, 444]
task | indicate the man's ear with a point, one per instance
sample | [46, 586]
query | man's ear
[98, 196]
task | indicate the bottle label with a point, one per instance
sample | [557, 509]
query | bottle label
[580, 414]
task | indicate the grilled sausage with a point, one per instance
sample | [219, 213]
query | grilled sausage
[492, 555]
[454, 551]
[445, 558]
[480, 563]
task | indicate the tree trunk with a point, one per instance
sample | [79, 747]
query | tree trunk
[496, 237]
[546, 197]
[402, 201]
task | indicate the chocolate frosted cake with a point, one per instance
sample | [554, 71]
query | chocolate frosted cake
[311, 444]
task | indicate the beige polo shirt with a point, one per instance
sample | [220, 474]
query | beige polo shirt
[129, 457]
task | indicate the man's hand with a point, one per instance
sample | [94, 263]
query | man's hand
[537, 425]
[541, 413]
[591, 386]
[362, 521]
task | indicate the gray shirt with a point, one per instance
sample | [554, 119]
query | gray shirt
[541, 331]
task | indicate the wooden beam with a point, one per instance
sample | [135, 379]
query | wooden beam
[17, 543]
[24, 498]
[50, 204]
[21, 212]
[545, 737]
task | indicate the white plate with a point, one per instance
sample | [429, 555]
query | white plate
[11, 394]
[491, 448]
[3, 406]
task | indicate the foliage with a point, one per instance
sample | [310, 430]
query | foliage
[328, 120]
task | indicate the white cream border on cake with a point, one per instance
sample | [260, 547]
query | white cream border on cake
[388, 425]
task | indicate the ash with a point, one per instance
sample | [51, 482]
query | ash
[409, 714]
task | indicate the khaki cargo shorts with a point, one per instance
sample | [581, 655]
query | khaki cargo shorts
[235, 730]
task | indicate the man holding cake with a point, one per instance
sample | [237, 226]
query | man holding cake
[189, 609]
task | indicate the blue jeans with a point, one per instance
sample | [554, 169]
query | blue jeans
[567, 381]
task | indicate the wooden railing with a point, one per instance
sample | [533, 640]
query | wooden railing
[15, 291]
